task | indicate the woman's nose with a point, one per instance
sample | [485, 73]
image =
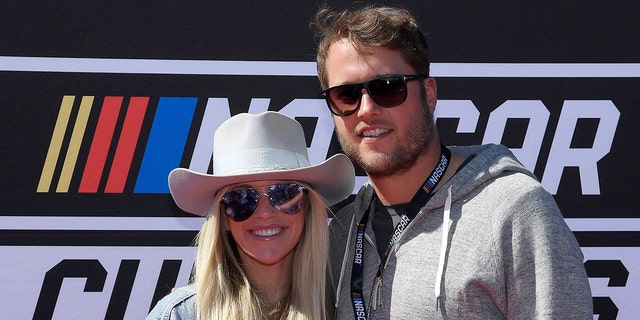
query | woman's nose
[264, 207]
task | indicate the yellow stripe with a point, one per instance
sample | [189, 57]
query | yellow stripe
[56, 144]
[74, 144]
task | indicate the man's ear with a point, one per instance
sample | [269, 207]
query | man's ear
[431, 88]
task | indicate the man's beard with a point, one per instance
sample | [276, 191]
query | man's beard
[416, 140]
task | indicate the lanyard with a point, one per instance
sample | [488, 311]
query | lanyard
[418, 201]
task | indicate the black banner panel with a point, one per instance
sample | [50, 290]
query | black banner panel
[100, 102]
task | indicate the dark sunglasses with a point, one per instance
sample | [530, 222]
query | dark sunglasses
[388, 91]
[240, 204]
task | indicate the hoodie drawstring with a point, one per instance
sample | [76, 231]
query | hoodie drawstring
[446, 224]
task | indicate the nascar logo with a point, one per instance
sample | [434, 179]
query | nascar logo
[164, 146]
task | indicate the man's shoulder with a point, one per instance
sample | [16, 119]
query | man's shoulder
[177, 305]
[349, 208]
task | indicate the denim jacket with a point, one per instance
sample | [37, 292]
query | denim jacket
[178, 305]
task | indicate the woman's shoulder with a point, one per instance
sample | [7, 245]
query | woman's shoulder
[177, 305]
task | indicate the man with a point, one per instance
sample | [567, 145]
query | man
[437, 232]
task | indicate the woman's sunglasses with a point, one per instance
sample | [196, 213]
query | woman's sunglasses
[240, 204]
[388, 91]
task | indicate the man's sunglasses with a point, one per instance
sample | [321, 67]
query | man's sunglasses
[388, 91]
[240, 204]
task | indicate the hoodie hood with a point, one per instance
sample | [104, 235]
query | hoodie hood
[483, 163]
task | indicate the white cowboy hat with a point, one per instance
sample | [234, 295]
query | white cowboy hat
[265, 146]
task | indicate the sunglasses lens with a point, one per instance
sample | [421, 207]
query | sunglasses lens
[286, 197]
[240, 204]
[344, 99]
[388, 91]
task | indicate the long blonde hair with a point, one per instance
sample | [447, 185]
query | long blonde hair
[223, 289]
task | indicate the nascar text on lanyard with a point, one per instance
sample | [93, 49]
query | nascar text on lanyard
[418, 201]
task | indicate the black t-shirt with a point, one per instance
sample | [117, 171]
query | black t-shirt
[385, 219]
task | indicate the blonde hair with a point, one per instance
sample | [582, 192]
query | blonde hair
[223, 289]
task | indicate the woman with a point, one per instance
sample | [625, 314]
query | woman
[258, 257]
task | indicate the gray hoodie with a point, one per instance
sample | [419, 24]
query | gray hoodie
[508, 254]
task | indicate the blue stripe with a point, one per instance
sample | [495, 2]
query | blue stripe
[429, 185]
[166, 143]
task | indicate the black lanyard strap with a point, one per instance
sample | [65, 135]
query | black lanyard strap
[421, 198]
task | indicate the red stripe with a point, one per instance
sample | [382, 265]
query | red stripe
[100, 145]
[126, 145]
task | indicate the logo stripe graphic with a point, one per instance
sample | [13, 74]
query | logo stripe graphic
[74, 145]
[166, 143]
[127, 144]
[216, 112]
[56, 144]
[100, 144]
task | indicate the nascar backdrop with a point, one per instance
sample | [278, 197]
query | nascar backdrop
[100, 100]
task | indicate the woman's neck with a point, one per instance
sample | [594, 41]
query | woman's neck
[271, 283]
